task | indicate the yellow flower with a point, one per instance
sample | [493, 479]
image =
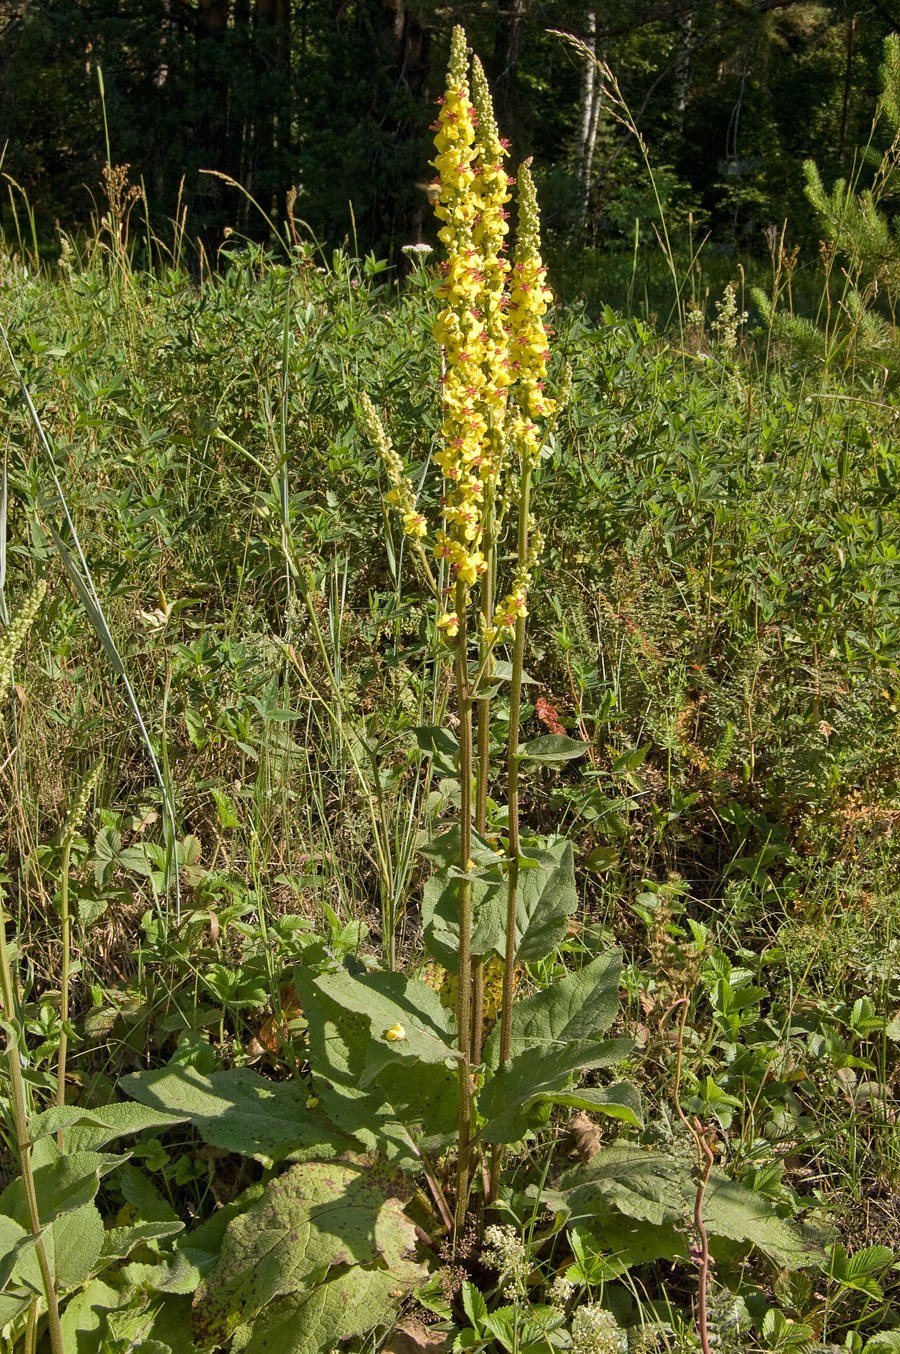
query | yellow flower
[395, 1033]
[449, 624]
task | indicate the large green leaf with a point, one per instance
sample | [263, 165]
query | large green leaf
[546, 899]
[646, 1185]
[386, 1110]
[21, 1275]
[539, 1076]
[441, 745]
[620, 1101]
[74, 1243]
[84, 1320]
[659, 1190]
[62, 1183]
[316, 1218]
[731, 1210]
[440, 899]
[395, 1006]
[580, 1006]
[346, 1305]
[238, 1110]
[90, 1129]
[552, 749]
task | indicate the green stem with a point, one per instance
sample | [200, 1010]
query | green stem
[483, 764]
[65, 921]
[23, 1145]
[464, 954]
[512, 797]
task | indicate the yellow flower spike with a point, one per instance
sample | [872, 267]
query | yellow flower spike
[529, 298]
[401, 495]
[395, 1033]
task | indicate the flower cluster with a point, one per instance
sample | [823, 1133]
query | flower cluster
[594, 1331]
[471, 326]
[528, 302]
[504, 1252]
[494, 344]
[14, 636]
[401, 495]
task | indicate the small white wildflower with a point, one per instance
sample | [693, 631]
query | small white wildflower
[594, 1331]
[504, 1251]
[728, 319]
[561, 1291]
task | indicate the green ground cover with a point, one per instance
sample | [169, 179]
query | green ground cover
[717, 617]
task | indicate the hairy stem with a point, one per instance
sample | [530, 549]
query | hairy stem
[464, 955]
[23, 1145]
[483, 769]
[512, 798]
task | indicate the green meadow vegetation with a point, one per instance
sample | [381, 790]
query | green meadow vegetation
[493, 946]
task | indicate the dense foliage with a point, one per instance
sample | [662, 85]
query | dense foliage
[716, 619]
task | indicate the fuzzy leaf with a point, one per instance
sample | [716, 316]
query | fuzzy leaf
[733, 1211]
[551, 749]
[405, 1101]
[63, 1184]
[315, 1218]
[237, 1109]
[94, 1128]
[546, 899]
[393, 1003]
[580, 1006]
[533, 1076]
[441, 745]
[620, 1101]
[346, 1305]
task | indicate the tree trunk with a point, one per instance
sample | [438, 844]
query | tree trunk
[683, 68]
[592, 94]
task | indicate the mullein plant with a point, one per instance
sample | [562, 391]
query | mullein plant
[495, 420]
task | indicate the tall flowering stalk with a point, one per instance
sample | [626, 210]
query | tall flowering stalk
[494, 346]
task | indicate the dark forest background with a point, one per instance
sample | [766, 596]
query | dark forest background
[333, 99]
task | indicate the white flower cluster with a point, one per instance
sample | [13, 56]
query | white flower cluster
[504, 1251]
[594, 1331]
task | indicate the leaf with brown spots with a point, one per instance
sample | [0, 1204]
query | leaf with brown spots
[311, 1226]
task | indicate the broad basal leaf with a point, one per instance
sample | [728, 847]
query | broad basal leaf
[740, 1214]
[659, 1189]
[648, 1186]
[385, 1107]
[317, 1217]
[237, 1109]
[346, 1305]
[88, 1130]
[62, 1183]
[407, 1023]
